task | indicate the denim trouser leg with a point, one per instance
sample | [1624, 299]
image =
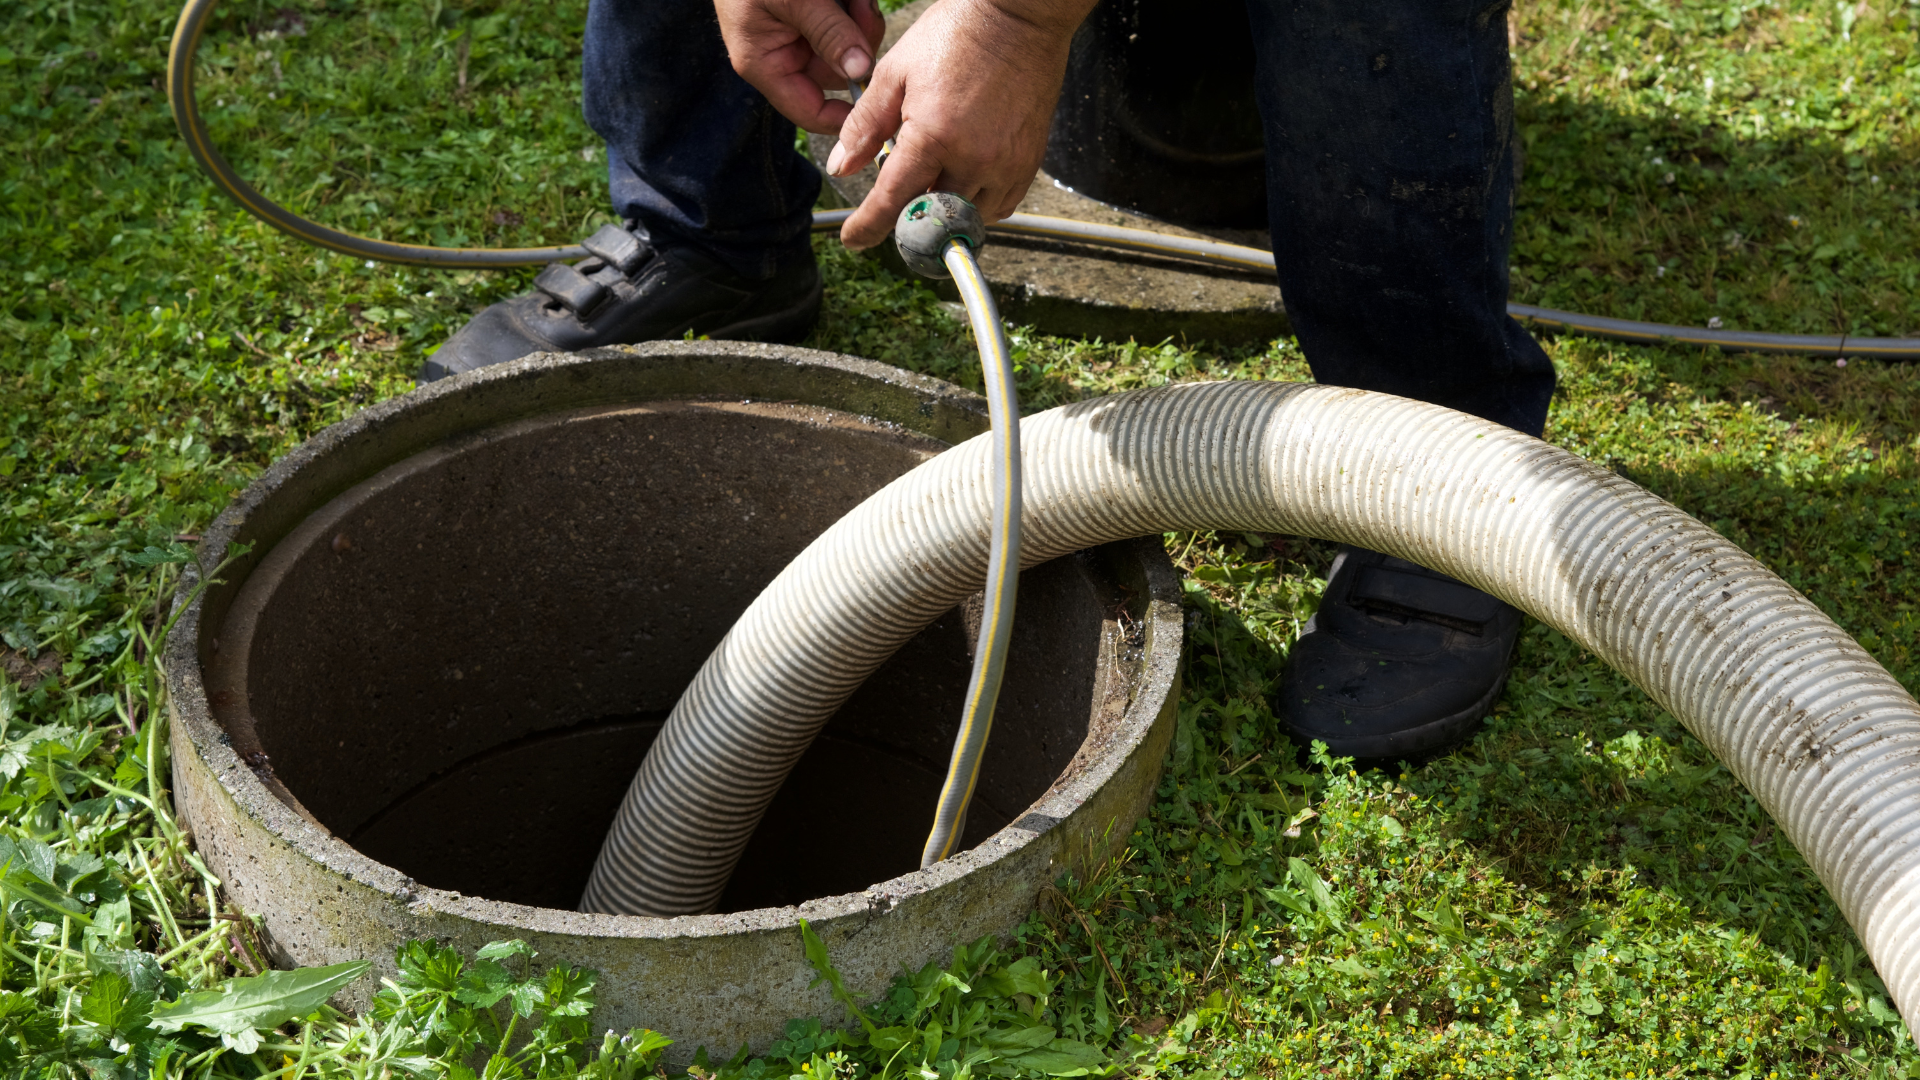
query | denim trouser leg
[694, 154]
[1389, 127]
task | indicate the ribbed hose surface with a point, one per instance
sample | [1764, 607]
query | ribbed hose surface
[1823, 736]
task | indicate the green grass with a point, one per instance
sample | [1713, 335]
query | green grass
[1580, 892]
[1751, 162]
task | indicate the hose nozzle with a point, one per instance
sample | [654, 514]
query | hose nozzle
[926, 226]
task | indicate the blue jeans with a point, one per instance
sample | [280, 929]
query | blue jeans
[694, 155]
[1389, 132]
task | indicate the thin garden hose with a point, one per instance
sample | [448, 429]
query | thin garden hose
[1239, 257]
[186, 115]
[1003, 556]
[1820, 733]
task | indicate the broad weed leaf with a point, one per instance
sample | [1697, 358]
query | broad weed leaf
[1314, 886]
[14, 1005]
[141, 969]
[117, 1009]
[245, 1042]
[1027, 977]
[500, 950]
[38, 1028]
[1348, 965]
[425, 965]
[1012, 1041]
[27, 884]
[1286, 899]
[527, 997]
[486, 984]
[568, 992]
[648, 1042]
[38, 859]
[1443, 919]
[1062, 1057]
[258, 1001]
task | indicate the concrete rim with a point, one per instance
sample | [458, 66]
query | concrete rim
[307, 477]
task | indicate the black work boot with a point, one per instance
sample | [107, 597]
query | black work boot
[1399, 664]
[627, 292]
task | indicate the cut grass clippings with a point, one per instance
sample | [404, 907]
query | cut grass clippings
[1581, 892]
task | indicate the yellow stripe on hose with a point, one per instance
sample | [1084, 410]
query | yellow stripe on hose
[1003, 559]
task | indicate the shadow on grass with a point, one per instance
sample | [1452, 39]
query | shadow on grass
[1677, 222]
[1755, 163]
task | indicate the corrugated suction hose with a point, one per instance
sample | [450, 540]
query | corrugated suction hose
[1825, 738]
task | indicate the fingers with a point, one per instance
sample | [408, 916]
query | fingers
[799, 99]
[1008, 202]
[824, 75]
[835, 36]
[790, 49]
[871, 123]
[833, 113]
[873, 25]
[968, 99]
[921, 161]
[910, 170]
[955, 185]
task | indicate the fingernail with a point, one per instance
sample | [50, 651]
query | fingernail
[855, 63]
[836, 159]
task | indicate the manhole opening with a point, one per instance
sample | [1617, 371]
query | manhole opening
[457, 665]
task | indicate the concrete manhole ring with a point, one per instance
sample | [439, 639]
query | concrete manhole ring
[484, 596]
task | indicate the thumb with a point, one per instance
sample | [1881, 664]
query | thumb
[835, 37]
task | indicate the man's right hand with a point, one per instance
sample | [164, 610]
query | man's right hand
[794, 50]
[967, 96]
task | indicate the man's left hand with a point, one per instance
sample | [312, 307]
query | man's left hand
[794, 50]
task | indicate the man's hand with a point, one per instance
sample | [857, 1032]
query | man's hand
[967, 95]
[792, 50]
